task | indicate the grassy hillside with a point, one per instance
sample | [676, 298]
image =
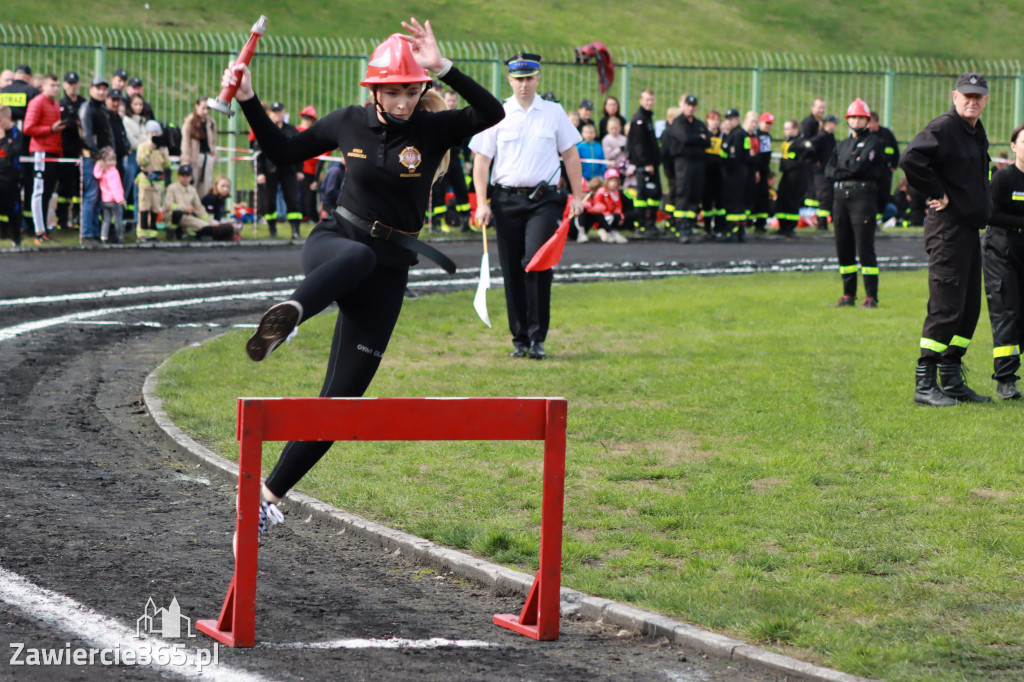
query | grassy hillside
[917, 28]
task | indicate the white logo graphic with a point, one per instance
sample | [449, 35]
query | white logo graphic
[170, 620]
[383, 59]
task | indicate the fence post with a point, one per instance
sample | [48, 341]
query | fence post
[624, 88]
[890, 90]
[755, 89]
[1018, 99]
[99, 62]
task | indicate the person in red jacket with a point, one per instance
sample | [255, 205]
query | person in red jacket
[43, 125]
[604, 209]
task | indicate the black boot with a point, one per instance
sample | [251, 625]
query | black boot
[296, 232]
[272, 227]
[927, 391]
[952, 385]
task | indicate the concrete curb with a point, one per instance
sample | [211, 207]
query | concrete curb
[500, 579]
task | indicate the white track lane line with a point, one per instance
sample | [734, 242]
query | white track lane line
[390, 643]
[8, 333]
[155, 289]
[102, 632]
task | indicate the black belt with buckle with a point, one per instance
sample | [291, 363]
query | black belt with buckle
[511, 189]
[854, 184]
[381, 231]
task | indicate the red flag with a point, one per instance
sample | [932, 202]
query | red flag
[550, 253]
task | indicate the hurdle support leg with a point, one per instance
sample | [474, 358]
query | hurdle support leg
[236, 625]
[539, 617]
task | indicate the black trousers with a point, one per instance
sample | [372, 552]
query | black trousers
[762, 206]
[735, 182]
[309, 211]
[954, 288]
[1003, 263]
[69, 194]
[792, 187]
[825, 195]
[44, 179]
[648, 195]
[10, 214]
[884, 191]
[457, 181]
[689, 187]
[522, 226]
[268, 198]
[369, 298]
[853, 216]
[711, 203]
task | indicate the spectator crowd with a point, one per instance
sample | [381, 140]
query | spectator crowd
[101, 164]
[684, 176]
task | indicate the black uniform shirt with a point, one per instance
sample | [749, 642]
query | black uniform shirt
[950, 157]
[641, 142]
[858, 157]
[96, 132]
[809, 127]
[267, 167]
[795, 152]
[890, 147]
[390, 167]
[736, 148]
[824, 142]
[17, 95]
[688, 139]
[71, 137]
[1006, 195]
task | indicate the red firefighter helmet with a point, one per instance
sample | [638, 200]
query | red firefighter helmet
[858, 108]
[392, 62]
[309, 111]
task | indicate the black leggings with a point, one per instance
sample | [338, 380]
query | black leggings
[369, 298]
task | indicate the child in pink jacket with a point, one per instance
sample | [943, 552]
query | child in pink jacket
[111, 194]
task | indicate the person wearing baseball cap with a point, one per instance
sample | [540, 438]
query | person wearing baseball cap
[687, 139]
[69, 174]
[310, 169]
[586, 113]
[119, 80]
[948, 163]
[736, 171]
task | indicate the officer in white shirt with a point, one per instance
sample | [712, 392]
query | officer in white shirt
[525, 149]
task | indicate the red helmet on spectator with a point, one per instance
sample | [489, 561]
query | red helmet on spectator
[858, 107]
[611, 173]
[309, 111]
[767, 117]
[393, 62]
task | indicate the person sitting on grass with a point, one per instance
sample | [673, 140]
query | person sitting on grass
[184, 212]
[217, 201]
[604, 209]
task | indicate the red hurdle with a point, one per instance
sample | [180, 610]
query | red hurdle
[366, 419]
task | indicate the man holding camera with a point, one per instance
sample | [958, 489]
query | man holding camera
[525, 149]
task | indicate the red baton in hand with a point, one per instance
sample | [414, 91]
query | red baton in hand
[223, 101]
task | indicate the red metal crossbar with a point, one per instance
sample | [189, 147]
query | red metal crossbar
[365, 419]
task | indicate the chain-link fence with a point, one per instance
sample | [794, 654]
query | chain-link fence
[178, 68]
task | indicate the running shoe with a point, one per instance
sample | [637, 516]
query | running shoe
[270, 516]
[278, 325]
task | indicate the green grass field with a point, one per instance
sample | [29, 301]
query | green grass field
[941, 29]
[740, 456]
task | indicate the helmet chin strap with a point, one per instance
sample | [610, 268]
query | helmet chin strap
[388, 118]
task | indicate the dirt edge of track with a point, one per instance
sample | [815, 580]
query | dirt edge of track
[500, 579]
